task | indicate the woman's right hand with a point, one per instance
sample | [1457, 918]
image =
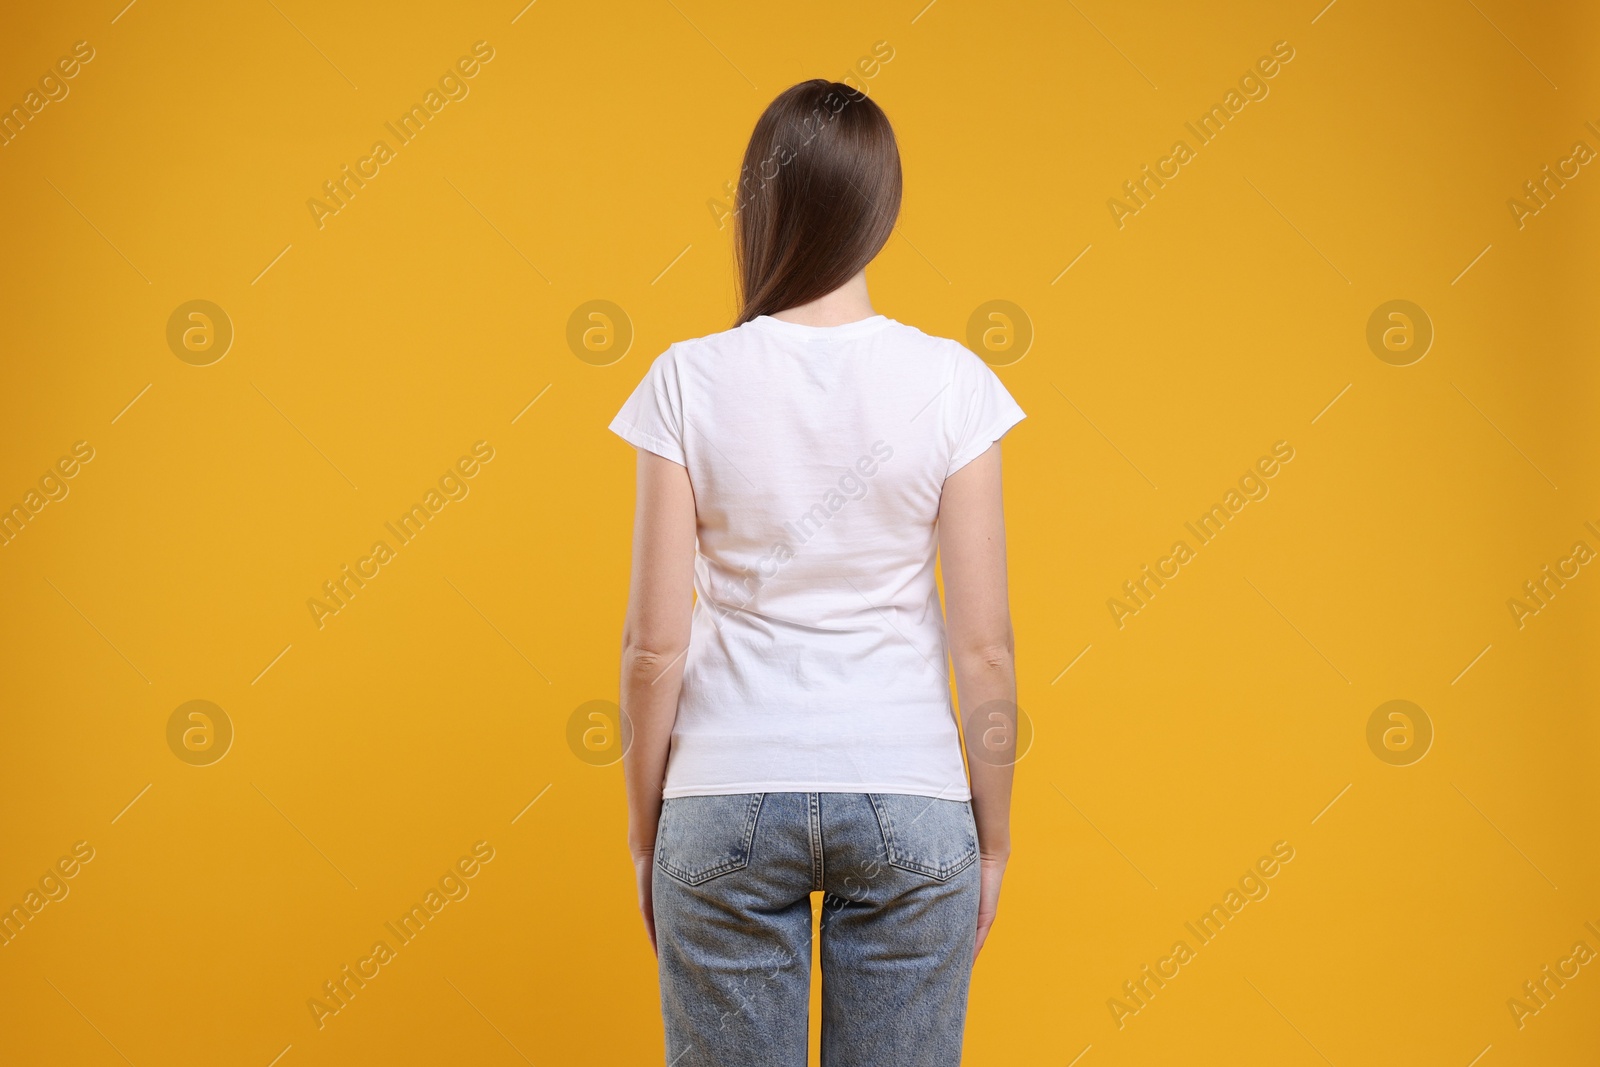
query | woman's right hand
[991, 869]
[643, 867]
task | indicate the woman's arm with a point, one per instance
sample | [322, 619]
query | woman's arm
[972, 559]
[655, 636]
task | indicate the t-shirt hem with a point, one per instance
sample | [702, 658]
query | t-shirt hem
[648, 441]
[728, 789]
[994, 432]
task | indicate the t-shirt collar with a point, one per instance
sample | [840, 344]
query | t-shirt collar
[799, 331]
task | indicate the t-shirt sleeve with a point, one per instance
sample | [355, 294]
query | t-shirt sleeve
[652, 416]
[982, 411]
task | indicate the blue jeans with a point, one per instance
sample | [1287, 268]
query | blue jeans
[732, 883]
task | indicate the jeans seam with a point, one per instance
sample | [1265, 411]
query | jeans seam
[814, 817]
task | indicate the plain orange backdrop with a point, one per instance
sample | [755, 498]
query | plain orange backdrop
[435, 709]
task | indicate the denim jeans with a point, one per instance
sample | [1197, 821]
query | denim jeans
[732, 882]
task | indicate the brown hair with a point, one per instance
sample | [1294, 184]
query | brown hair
[818, 196]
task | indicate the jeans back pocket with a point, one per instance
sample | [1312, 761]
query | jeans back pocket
[926, 835]
[701, 837]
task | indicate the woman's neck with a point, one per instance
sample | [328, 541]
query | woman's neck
[848, 303]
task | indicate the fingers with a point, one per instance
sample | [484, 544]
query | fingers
[986, 913]
[649, 925]
[647, 907]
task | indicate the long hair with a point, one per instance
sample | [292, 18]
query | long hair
[818, 196]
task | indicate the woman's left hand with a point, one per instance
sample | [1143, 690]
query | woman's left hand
[643, 866]
[992, 869]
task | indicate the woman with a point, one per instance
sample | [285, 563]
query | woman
[785, 681]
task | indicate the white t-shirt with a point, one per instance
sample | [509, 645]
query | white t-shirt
[817, 653]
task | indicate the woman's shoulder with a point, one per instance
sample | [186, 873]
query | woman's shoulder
[915, 335]
[944, 356]
[721, 340]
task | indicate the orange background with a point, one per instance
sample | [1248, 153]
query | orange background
[1229, 313]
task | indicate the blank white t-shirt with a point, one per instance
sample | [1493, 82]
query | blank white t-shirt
[817, 653]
